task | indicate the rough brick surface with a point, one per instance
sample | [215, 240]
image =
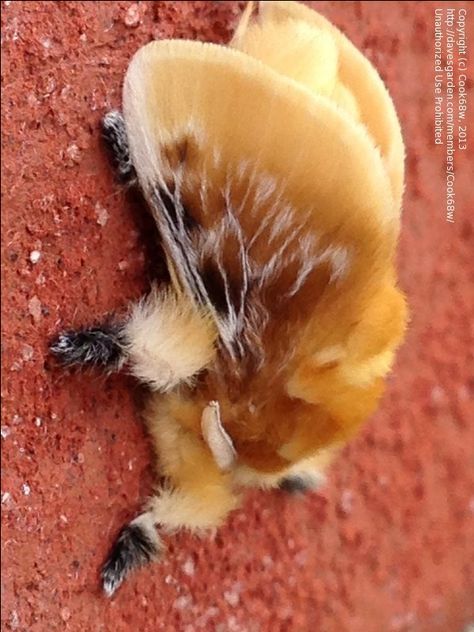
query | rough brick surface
[387, 546]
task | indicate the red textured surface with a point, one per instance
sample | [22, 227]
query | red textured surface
[388, 545]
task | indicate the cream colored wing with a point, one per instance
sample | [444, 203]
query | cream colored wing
[301, 44]
[229, 109]
[220, 136]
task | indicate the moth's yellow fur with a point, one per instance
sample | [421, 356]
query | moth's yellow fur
[286, 151]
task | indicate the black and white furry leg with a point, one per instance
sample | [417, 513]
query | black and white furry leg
[102, 347]
[164, 341]
[301, 483]
[137, 544]
[197, 496]
[115, 136]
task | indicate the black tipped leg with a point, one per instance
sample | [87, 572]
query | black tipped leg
[137, 545]
[298, 484]
[97, 346]
[115, 136]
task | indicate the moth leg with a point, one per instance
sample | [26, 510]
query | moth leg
[137, 544]
[102, 347]
[114, 133]
[165, 341]
[169, 340]
[197, 495]
[297, 484]
[308, 477]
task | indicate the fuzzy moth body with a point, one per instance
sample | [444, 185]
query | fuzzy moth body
[273, 168]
